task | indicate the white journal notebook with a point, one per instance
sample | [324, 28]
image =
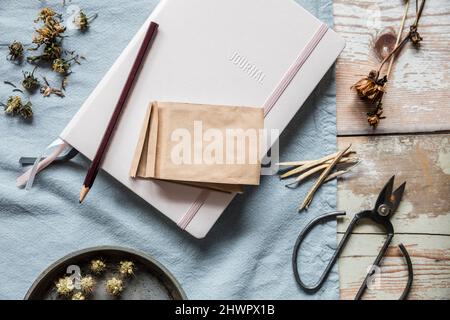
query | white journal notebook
[268, 53]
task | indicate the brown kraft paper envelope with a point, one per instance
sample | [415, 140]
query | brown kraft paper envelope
[168, 124]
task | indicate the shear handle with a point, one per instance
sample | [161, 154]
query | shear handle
[304, 233]
[378, 262]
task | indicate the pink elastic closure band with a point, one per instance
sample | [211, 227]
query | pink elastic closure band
[268, 105]
[195, 207]
[294, 69]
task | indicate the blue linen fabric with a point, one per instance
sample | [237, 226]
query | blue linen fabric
[247, 255]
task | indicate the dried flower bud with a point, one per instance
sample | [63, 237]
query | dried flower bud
[60, 66]
[81, 21]
[15, 50]
[370, 88]
[373, 120]
[78, 296]
[114, 286]
[64, 286]
[30, 82]
[126, 268]
[87, 284]
[98, 266]
[415, 36]
[374, 117]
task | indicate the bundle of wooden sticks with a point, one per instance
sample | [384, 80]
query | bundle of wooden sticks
[343, 161]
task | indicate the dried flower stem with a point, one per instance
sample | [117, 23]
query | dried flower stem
[399, 37]
[321, 179]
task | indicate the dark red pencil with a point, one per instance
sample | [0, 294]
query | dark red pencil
[95, 166]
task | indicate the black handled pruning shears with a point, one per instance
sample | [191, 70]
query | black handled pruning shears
[385, 207]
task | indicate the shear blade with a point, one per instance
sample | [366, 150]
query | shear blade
[385, 194]
[397, 196]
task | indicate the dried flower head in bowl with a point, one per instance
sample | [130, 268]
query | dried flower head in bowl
[87, 284]
[98, 266]
[64, 286]
[114, 286]
[15, 51]
[78, 296]
[126, 268]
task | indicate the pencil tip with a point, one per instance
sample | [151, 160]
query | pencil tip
[83, 193]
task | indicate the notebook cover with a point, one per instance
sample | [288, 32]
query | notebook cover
[223, 52]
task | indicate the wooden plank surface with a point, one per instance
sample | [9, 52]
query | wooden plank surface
[422, 222]
[430, 256]
[418, 98]
[423, 161]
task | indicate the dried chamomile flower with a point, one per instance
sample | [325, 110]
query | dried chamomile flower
[78, 296]
[114, 286]
[81, 20]
[30, 82]
[64, 286]
[45, 14]
[26, 111]
[87, 284]
[98, 266]
[15, 50]
[14, 106]
[370, 88]
[60, 66]
[126, 268]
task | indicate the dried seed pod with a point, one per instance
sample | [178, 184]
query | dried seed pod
[370, 88]
[126, 268]
[15, 50]
[78, 296]
[30, 82]
[98, 266]
[114, 286]
[64, 286]
[87, 284]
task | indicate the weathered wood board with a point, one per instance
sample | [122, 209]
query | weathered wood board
[418, 98]
[422, 222]
[423, 161]
[430, 256]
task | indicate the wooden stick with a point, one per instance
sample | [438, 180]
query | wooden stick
[300, 163]
[339, 173]
[314, 170]
[321, 179]
[95, 166]
[313, 164]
